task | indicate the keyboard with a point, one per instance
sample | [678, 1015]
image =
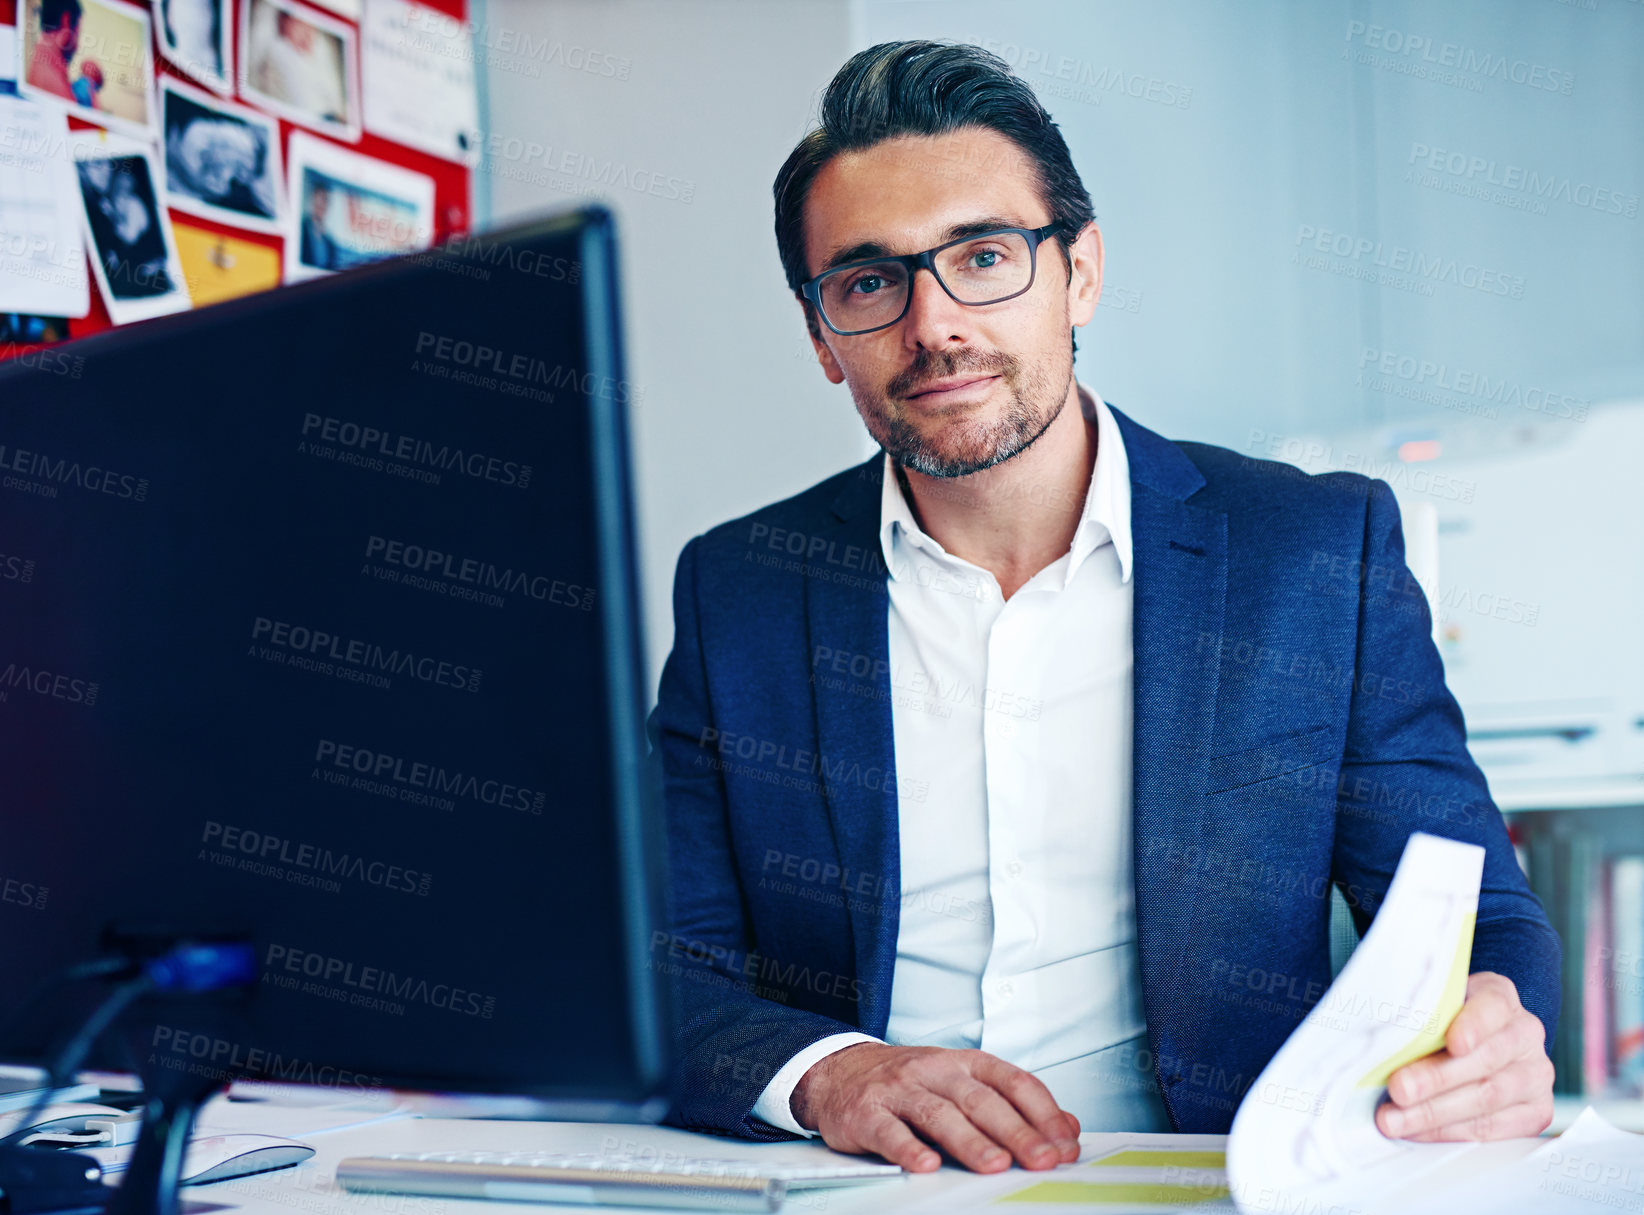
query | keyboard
[642, 1180]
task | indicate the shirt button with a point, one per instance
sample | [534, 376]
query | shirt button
[1014, 869]
[1006, 989]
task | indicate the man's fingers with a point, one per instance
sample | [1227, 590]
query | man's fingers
[1521, 1121]
[1487, 1010]
[1029, 1095]
[943, 1121]
[1512, 1086]
[901, 1102]
[1444, 1071]
[1001, 1122]
[889, 1136]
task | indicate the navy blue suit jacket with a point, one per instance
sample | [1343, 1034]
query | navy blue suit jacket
[1292, 728]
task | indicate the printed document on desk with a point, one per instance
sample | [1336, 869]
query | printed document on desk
[1118, 1174]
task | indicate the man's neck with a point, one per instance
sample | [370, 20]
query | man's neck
[1019, 516]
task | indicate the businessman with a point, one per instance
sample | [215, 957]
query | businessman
[1009, 774]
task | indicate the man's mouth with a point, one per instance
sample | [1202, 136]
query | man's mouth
[953, 387]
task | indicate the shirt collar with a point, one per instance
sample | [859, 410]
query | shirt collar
[1107, 503]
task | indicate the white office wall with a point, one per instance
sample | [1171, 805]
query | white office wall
[705, 98]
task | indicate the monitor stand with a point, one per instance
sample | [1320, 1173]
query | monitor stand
[172, 1098]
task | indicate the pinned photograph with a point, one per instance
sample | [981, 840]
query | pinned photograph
[92, 58]
[222, 160]
[302, 65]
[133, 252]
[194, 37]
[348, 210]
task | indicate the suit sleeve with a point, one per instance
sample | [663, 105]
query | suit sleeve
[730, 1042]
[1406, 768]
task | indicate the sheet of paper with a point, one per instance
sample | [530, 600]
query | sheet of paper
[1306, 1129]
[1591, 1167]
[221, 1117]
[417, 68]
[42, 252]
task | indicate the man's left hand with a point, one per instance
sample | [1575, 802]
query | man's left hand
[1492, 1080]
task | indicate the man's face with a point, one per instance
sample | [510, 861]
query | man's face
[1005, 369]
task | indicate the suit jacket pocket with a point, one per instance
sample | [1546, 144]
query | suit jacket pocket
[1270, 759]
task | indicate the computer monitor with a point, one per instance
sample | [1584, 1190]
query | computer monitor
[318, 630]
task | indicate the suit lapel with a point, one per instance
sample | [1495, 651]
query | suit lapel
[846, 609]
[1181, 587]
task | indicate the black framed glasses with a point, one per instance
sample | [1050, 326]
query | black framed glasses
[987, 268]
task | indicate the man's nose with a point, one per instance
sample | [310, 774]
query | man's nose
[934, 317]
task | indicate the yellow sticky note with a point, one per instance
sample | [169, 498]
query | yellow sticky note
[1152, 1158]
[1116, 1193]
[1431, 1036]
[219, 267]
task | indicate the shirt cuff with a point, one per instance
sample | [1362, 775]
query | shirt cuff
[774, 1105]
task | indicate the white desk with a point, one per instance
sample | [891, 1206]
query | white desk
[311, 1187]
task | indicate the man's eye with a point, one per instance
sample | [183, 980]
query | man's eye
[867, 285]
[985, 259]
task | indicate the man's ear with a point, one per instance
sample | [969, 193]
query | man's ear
[1085, 274]
[824, 355]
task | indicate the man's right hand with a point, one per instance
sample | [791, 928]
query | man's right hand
[896, 1100]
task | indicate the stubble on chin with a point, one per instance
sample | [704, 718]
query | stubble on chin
[961, 446]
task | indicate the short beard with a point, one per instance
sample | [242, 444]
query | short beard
[966, 448]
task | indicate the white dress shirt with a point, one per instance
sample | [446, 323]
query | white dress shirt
[1017, 928]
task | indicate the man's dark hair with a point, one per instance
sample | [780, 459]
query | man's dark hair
[54, 12]
[924, 88]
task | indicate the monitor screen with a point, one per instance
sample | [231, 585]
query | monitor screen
[318, 629]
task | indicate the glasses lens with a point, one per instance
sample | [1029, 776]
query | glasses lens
[976, 271]
[987, 268]
[861, 297]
